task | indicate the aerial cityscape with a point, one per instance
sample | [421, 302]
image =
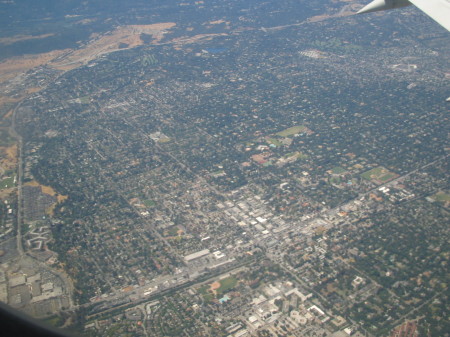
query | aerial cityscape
[225, 168]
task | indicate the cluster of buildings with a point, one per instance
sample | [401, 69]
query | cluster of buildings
[227, 153]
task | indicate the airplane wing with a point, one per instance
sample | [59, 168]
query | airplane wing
[438, 10]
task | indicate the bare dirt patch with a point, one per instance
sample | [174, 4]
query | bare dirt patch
[4, 100]
[45, 189]
[11, 153]
[214, 286]
[17, 38]
[9, 114]
[12, 67]
[124, 37]
[8, 157]
[50, 191]
[33, 183]
[62, 198]
[67, 59]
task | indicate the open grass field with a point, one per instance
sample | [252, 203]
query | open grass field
[291, 131]
[441, 197]
[7, 183]
[217, 288]
[274, 141]
[84, 100]
[296, 155]
[335, 180]
[226, 284]
[379, 174]
[338, 170]
[173, 231]
[149, 203]
[208, 295]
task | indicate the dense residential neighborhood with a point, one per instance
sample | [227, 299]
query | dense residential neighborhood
[249, 174]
